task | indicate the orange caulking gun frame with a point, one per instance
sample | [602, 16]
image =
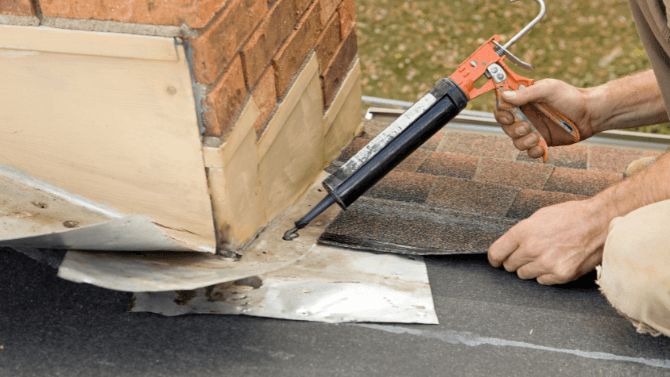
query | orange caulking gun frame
[427, 116]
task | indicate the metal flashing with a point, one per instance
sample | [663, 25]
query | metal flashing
[480, 121]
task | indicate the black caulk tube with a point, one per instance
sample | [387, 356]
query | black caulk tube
[421, 121]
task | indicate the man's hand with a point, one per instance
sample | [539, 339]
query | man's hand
[555, 245]
[566, 99]
[560, 243]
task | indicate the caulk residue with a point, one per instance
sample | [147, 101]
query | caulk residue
[473, 340]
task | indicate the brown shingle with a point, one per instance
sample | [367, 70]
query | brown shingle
[434, 141]
[567, 156]
[473, 197]
[353, 148]
[413, 161]
[450, 165]
[580, 182]
[373, 128]
[529, 201]
[381, 225]
[403, 187]
[612, 160]
[653, 154]
[478, 145]
[512, 173]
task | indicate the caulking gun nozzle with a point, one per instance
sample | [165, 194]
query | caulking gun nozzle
[291, 234]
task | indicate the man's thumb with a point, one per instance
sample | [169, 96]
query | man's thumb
[515, 97]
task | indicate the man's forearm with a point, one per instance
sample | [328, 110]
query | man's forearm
[646, 187]
[631, 101]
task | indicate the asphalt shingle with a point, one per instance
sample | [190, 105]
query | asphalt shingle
[613, 160]
[529, 201]
[473, 197]
[493, 146]
[567, 156]
[463, 196]
[512, 173]
[580, 182]
[450, 165]
[403, 187]
[413, 229]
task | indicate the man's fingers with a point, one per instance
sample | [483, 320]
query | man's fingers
[503, 117]
[526, 142]
[530, 271]
[560, 273]
[516, 130]
[502, 248]
[551, 279]
[536, 152]
[517, 260]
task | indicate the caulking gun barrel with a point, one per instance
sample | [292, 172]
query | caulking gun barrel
[414, 127]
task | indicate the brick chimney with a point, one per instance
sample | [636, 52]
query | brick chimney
[276, 86]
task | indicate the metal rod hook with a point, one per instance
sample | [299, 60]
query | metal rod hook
[529, 26]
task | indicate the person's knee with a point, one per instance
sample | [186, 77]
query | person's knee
[635, 273]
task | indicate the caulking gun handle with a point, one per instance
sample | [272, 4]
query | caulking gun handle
[521, 117]
[558, 118]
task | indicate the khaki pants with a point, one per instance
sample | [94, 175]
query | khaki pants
[635, 273]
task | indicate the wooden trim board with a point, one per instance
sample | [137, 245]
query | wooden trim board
[120, 131]
[46, 39]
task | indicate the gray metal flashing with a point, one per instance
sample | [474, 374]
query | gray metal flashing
[35, 213]
[24, 179]
[320, 283]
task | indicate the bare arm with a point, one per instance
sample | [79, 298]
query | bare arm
[560, 243]
[631, 101]
[624, 103]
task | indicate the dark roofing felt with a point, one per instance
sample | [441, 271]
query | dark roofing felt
[462, 190]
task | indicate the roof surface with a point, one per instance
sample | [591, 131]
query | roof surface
[491, 324]
[462, 190]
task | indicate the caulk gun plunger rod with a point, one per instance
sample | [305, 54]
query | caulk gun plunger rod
[526, 29]
[323, 205]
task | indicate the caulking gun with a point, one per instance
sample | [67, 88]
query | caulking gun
[428, 115]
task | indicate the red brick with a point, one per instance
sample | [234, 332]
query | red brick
[613, 160]
[328, 7]
[500, 147]
[523, 175]
[347, 14]
[225, 100]
[339, 67]
[300, 6]
[580, 182]
[294, 51]
[196, 14]
[266, 40]
[327, 44]
[216, 47]
[17, 7]
[265, 97]
[450, 165]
